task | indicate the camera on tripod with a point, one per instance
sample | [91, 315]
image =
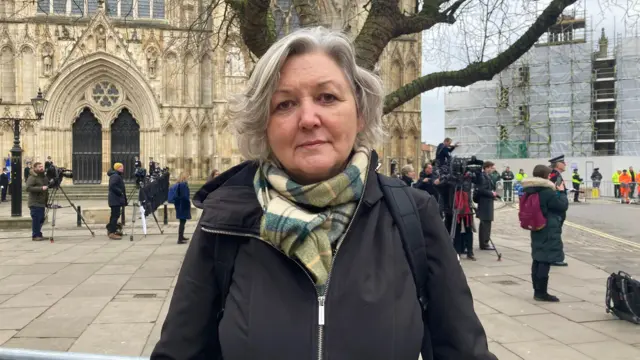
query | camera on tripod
[140, 174]
[55, 175]
[459, 170]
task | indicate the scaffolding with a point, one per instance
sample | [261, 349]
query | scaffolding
[561, 97]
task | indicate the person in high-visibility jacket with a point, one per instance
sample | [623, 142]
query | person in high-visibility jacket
[625, 180]
[615, 179]
[520, 175]
[576, 180]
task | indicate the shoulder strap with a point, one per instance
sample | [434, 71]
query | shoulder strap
[224, 258]
[405, 214]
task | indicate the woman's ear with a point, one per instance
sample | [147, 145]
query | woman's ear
[360, 123]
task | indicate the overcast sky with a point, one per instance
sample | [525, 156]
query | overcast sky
[615, 16]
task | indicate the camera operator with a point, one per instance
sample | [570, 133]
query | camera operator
[38, 197]
[428, 181]
[443, 151]
[117, 199]
[137, 164]
[485, 196]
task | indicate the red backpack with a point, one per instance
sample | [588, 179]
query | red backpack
[530, 213]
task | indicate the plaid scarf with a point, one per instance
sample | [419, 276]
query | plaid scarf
[303, 234]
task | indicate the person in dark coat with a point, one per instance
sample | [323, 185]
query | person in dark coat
[4, 184]
[428, 181]
[546, 244]
[38, 198]
[507, 183]
[117, 199]
[26, 172]
[183, 205]
[485, 197]
[558, 166]
[408, 175]
[320, 271]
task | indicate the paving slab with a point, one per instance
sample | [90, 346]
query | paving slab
[90, 294]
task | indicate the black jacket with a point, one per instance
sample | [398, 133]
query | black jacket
[429, 185]
[117, 191]
[372, 311]
[37, 196]
[484, 198]
[4, 180]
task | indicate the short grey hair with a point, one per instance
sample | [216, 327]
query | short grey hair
[249, 111]
[406, 170]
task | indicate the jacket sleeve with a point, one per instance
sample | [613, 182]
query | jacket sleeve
[484, 190]
[456, 331]
[558, 202]
[31, 185]
[190, 331]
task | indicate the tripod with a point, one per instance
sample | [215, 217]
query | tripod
[53, 205]
[456, 208]
[138, 205]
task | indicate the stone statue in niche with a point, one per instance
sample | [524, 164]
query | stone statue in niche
[235, 62]
[47, 60]
[152, 62]
[101, 38]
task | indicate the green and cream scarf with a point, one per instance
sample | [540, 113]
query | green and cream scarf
[307, 235]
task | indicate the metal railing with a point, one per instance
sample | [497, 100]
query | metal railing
[605, 190]
[27, 354]
[603, 114]
[604, 73]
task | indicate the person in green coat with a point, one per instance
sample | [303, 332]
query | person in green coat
[546, 243]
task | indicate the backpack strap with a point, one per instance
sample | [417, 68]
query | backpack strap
[224, 258]
[404, 211]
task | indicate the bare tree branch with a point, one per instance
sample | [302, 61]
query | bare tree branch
[478, 71]
[377, 31]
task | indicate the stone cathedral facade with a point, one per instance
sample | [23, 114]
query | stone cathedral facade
[128, 78]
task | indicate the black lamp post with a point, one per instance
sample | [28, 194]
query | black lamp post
[39, 104]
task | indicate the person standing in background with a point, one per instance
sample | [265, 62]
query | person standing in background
[632, 185]
[558, 165]
[27, 171]
[596, 177]
[48, 163]
[117, 199]
[507, 183]
[213, 174]
[38, 198]
[408, 175]
[576, 180]
[615, 179]
[182, 203]
[485, 199]
[4, 184]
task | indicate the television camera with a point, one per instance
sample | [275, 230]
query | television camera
[55, 175]
[153, 190]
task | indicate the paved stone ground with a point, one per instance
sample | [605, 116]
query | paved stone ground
[93, 295]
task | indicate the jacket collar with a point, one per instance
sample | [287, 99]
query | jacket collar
[229, 200]
[537, 182]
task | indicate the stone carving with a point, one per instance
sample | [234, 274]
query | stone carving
[235, 62]
[152, 62]
[47, 60]
[101, 38]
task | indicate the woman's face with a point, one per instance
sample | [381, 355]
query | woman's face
[313, 118]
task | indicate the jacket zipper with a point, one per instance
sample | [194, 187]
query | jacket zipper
[321, 296]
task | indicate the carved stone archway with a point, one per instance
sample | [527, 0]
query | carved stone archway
[68, 95]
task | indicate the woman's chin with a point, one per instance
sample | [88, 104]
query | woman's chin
[316, 168]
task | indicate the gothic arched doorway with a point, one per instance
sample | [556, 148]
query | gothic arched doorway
[87, 149]
[125, 142]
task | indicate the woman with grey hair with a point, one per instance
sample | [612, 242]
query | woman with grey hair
[296, 255]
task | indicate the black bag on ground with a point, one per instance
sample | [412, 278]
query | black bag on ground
[623, 297]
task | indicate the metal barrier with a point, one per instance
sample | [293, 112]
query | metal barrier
[26, 354]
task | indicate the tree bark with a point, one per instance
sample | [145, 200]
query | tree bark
[308, 12]
[256, 26]
[478, 71]
[377, 31]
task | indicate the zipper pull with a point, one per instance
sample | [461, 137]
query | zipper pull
[321, 310]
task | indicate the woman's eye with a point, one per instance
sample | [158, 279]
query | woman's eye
[327, 98]
[285, 105]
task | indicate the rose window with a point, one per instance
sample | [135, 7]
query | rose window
[105, 94]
